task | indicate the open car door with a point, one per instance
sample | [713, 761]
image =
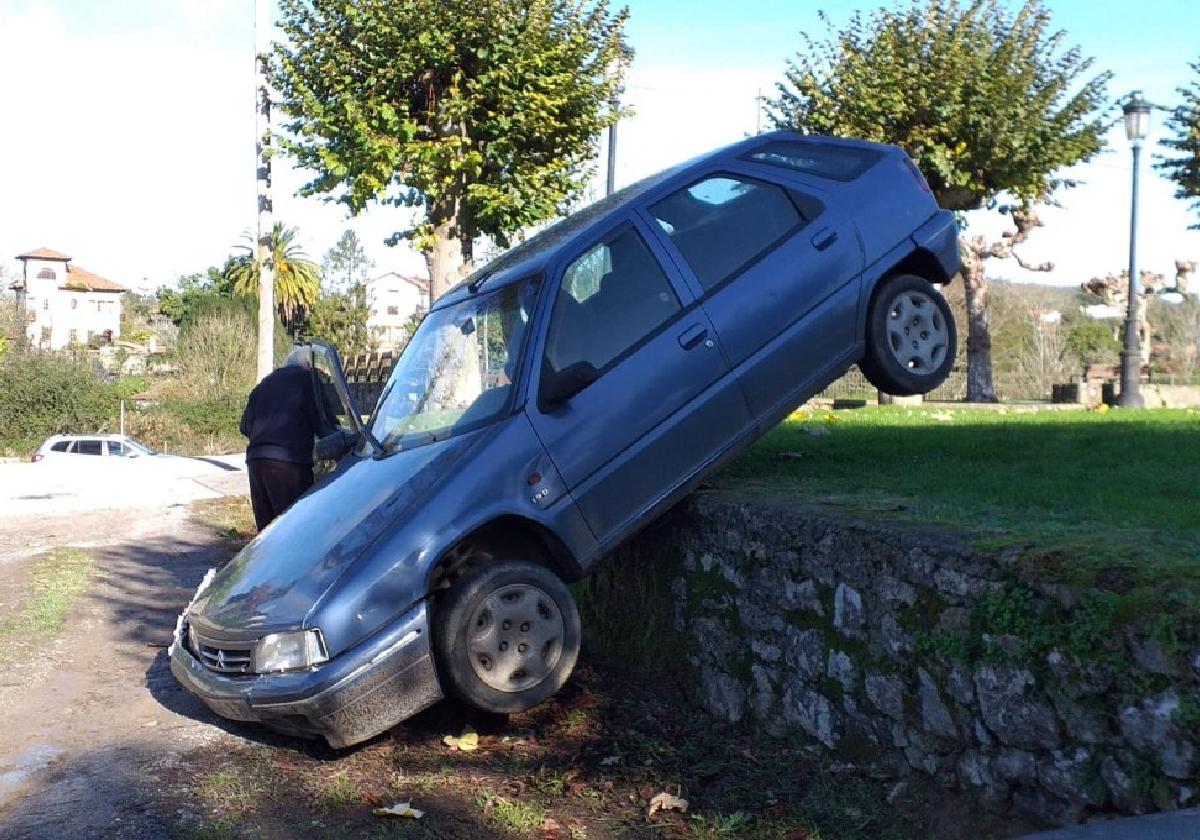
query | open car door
[342, 420]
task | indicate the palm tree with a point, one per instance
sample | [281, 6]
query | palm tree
[297, 278]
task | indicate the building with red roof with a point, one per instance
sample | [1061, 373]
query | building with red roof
[66, 304]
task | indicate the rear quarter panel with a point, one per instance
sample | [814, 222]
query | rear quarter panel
[889, 205]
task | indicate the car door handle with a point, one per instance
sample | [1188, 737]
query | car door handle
[692, 336]
[823, 238]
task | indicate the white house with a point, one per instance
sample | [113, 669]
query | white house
[393, 299]
[64, 303]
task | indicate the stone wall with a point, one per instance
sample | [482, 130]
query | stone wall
[915, 650]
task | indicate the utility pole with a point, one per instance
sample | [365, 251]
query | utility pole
[265, 227]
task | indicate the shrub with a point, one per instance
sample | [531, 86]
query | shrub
[43, 394]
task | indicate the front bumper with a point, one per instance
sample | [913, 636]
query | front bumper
[352, 697]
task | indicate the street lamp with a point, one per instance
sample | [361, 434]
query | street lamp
[1137, 125]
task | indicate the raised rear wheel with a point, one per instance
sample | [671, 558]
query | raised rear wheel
[910, 336]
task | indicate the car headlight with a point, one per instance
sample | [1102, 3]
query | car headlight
[289, 651]
[193, 642]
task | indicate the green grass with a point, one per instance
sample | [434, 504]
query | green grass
[1104, 488]
[519, 817]
[56, 580]
[230, 516]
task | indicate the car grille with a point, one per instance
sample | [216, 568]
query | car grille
[227, 658]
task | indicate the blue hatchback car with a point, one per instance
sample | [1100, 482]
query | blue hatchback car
[551, 406]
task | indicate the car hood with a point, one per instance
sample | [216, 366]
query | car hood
[275, 581]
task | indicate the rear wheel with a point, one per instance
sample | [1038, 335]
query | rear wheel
[911, 337]
[506, 636]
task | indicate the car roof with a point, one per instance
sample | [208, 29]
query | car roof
[532, 256]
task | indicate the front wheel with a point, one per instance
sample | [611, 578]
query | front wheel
[911, 338]
[506, 636]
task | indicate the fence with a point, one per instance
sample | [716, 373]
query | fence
[366, 374]
[853, 386]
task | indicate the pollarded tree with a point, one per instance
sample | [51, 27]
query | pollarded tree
[1182, 165]
[486, 114]
[987, 102]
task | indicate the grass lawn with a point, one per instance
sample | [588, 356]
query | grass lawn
[1092, 491]
[56, 580]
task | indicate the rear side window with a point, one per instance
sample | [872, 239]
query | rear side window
[722, 224]
[88, 447]
[114, 448]
[61, 446]
[611, 297]
[837, 163]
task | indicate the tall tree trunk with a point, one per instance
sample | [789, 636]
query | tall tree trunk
[979, 336]
[451, 256]
[263, 255]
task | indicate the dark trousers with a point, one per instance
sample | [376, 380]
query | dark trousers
[274, 485]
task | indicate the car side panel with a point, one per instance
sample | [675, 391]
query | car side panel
[792, 308]
[650, 421]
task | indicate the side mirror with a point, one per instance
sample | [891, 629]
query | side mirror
[559, 386]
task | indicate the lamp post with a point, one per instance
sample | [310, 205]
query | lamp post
[615, 72]
[1137, 124]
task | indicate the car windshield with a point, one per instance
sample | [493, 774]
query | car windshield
[141, 449]
[457, 372]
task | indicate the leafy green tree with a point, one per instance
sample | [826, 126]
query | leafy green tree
[297, 278]
[346, 264]
[1092, 341]
[989, 103]
[485, 114]
[1182, 164]
[192, 291]
[341, 319]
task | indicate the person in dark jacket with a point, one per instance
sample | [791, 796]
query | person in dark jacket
[282, 420]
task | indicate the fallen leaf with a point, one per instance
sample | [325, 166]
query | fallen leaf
[467, 742]
[576, 788]
[666, 802]
[551, 829]
[798, 415]
[400, 809]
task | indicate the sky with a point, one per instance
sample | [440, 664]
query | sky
[127, 129]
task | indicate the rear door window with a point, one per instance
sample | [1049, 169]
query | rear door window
[88, 447]
[61, 446]
[724, 223]
[114, 448]
[837, 163]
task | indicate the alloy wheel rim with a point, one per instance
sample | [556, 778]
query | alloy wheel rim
[515, 637]
[917, 332]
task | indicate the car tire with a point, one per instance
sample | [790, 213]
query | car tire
[506, 636]
[911, 338]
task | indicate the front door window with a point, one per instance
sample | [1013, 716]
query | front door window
[611, 298]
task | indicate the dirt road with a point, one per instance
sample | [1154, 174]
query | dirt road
[88, 723]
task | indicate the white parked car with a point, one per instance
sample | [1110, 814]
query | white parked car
[104, 446]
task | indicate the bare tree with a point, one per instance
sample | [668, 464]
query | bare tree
[978, 250]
